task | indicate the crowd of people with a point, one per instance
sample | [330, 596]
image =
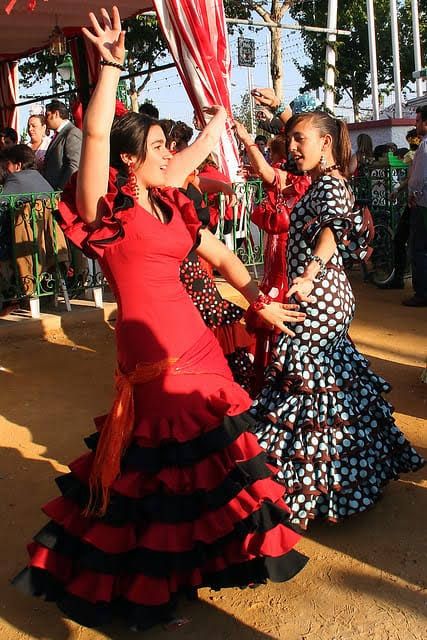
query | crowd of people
[190, 481]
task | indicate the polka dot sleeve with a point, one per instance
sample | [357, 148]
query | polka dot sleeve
[332, 207]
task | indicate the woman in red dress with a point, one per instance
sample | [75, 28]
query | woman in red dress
[175, 494]
[283, 190]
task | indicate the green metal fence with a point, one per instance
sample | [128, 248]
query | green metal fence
[377, 188]
[36, 261]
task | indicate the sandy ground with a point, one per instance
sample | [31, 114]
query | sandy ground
[366, 578]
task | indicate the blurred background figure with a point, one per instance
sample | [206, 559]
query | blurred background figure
[148, 109]
[363, 156]
[39, 140]
[8, 137]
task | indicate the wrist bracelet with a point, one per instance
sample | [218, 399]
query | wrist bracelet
[323, 269]
[252, 145]
[260, 302]
[107, 63]
[280, 109]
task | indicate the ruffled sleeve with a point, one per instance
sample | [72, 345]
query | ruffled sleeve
[92, 240]
[331, 207]
[175, 199]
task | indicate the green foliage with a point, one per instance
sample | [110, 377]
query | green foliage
[352, 66]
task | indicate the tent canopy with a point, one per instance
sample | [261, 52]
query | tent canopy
[24, 31]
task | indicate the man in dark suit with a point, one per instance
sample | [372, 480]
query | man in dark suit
[63, 154]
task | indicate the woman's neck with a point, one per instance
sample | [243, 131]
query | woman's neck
[36, 145]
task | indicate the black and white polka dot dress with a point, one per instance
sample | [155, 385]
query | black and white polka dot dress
[321, 415]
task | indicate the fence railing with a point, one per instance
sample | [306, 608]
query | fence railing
[36, 260]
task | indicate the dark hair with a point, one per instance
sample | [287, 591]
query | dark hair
[21, 153]
[423, 111]
[412, 133]
[129, 135]
[380, 150]
[260, 138]
[181, 133]
[148, 109]
[3, 170]
[401, 152]
[9, 132]
[168, 126]
[364, 147]
[278, 146]
[57, 105]
[337, 129]
[40, 116]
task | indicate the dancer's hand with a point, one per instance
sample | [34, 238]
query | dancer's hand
[301, 288]
[242, 132]
[109, 39]
[214, 109]
[277, 315]
[266, 97]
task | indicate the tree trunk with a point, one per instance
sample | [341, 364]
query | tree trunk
[276, 63]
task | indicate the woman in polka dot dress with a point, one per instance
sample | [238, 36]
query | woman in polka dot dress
[321, 415]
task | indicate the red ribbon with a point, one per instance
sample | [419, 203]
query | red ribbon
[31, 5]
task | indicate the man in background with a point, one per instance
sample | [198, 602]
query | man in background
[417, 187]
[63, 154]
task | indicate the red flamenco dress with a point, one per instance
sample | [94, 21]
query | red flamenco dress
[183, 495]
[272, 215]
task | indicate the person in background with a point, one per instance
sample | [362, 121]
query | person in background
[402, 234]
[148, 109]
[62, 156]
[282, 190]
[417, 188]
[220, 315]
[10, 137]
[22, 175]
[39, 141]
[364, 155]
[261, 143]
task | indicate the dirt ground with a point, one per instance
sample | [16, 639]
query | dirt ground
[366, 579]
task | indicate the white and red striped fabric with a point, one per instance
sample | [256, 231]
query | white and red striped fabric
[9, 88]
[196, 33]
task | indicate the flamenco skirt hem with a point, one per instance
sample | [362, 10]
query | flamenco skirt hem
[182, 515]
[329, 432]
[40, 583]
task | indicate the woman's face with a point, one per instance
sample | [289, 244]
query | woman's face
[152, 171]
[306, 145]
[36, 130]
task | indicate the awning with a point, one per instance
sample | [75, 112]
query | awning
[24, 31]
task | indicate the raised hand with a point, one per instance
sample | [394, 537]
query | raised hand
[109, 39]
[214, 109]
[241, 131]
[266, 97]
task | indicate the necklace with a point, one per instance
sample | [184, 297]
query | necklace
[331, 168]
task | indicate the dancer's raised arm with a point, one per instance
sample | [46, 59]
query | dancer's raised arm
[92, 178]
[187, 160]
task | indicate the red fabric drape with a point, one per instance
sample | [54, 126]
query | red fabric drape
[196, 33]
[92, 61]
[9, 87]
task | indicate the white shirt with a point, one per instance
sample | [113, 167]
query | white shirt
[417, 183]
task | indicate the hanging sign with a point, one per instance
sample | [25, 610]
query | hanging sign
[246, 52]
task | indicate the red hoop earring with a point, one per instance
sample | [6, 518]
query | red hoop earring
[132, 180]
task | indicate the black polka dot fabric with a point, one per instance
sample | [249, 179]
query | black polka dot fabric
[216, 312]
[321, 416]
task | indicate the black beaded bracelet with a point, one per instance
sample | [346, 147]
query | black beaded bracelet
[116, 65]
[323, 268]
